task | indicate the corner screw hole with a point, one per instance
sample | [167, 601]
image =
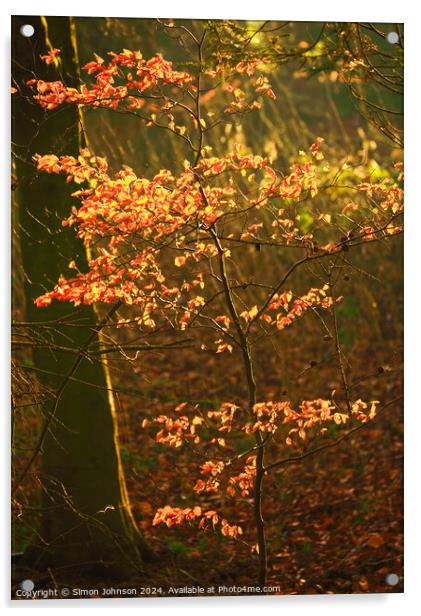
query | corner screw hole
[392, 38]
[392, 579]
[27, 30]
[27, 585]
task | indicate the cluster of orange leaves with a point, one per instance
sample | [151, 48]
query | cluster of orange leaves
[124, 81]
[143, 76]
[269, 417]
[319, 412]
[313, 298]
[172, 516]
[123, 209]
[174, 432]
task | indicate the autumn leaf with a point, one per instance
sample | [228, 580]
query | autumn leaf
[179, 261]
[375, 540]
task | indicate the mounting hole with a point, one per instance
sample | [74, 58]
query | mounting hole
[392, 579]
[27, 30]
[27, 585]
[392, 38]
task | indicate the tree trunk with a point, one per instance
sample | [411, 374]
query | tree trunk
[86, 511]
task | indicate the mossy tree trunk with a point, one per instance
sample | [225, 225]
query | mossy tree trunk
[86, 516]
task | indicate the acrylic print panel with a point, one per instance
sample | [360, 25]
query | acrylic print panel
[207, 308]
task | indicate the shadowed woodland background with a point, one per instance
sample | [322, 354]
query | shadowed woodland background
[334, 520]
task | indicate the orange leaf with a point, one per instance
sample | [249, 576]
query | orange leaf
[375, 540]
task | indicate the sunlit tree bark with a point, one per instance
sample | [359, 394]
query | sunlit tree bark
[86, 516]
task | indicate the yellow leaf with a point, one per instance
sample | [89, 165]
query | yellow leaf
[179, 261]
[253, 312]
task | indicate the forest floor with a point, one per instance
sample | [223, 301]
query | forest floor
[334, 521]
